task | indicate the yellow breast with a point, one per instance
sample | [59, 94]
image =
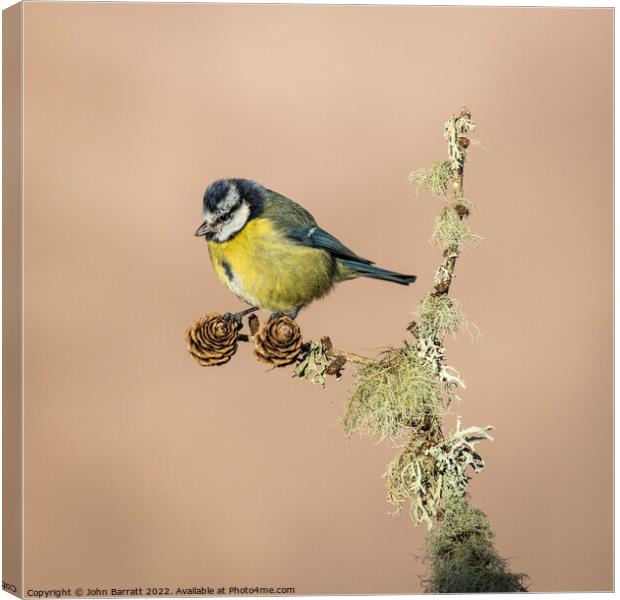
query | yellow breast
[264, 268]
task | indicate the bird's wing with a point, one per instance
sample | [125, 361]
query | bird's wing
[316, 237]
[288, 215]
[298, 224]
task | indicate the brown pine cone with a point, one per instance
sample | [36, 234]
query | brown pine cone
[278, 342]
[212, 340]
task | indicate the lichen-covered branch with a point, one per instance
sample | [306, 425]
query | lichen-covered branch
[433, 471]
[438, 313]
[463, 557]
[457, 130]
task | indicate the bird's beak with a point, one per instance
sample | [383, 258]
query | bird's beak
[202, 230]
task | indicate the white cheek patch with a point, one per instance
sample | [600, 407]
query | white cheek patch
[209, 217]
[240, 218]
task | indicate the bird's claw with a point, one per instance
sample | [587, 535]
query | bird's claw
[232, 317]
[238, 316]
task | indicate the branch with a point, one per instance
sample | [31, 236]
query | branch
[354, 358]
[456, 131]
[358, 359]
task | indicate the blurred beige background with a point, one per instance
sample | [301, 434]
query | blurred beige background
[143, 469]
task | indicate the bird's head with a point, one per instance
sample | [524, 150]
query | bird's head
[227, 206]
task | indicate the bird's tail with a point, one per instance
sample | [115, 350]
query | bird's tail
[366, 270]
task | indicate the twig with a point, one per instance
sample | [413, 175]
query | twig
[354, 358]
[456, 131]
[351, 357]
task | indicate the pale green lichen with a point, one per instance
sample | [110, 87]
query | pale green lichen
[463, 557]
[413, 476]
[429, 473]
[435, 179]
[451, 231]
[455, 455]
[399, 391]
[439, 315]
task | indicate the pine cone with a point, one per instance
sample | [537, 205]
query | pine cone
[212, 340]
[278, 342]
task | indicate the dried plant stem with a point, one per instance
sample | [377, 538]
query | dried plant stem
[353, 358]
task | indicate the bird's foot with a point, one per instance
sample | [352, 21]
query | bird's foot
[238, 316]
[292, 314]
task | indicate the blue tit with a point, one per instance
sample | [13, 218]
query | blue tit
[270, 252]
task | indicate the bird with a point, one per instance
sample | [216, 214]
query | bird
[271, 253]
